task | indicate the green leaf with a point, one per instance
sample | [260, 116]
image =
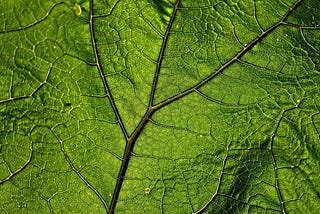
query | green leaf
[171, 106]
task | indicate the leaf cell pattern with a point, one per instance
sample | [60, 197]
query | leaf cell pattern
[171, 106]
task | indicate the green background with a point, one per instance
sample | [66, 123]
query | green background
[216, 104]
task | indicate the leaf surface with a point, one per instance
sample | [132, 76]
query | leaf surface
[159, 106]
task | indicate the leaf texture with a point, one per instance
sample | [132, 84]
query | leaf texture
[171, 106]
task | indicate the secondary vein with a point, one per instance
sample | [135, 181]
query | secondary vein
[231, 61]
[102, 75]
[163, 47]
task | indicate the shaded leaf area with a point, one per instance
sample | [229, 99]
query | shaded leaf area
[219, 100]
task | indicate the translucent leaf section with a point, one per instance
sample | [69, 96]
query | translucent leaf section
[151, 106]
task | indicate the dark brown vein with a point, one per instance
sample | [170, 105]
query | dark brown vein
[152, 108]
[102, 75]
[132, 139]
[163, 47]
[126, 157]
[230, 62]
